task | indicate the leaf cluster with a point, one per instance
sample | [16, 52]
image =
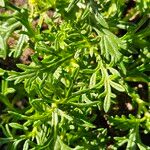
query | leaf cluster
[80, 63]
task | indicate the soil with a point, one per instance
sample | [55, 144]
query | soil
[18, 2]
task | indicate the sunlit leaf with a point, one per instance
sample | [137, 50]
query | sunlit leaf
[117, 86]
[107, 102]
[92, 80]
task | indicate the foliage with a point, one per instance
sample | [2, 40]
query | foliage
[81, 63]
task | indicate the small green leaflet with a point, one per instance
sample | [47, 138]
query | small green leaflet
[92, 80]
[101, 20]
[71, 5]
[18, 126]
[2, 3]
[3, 48]
[117, 86]
[107, 102]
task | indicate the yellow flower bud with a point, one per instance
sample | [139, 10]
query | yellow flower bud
[32, 2]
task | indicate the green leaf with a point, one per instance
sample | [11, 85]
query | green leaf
[63, 114]
[107, 102]
[8, 131]
[121, 140]
[4, 131]
[38, 104]
[86, 12]
[92, 80]
[6, 101]
[101, 20]
[5, 140]
[2, 72]
[19, 77]
[114, 71]
[131, 145]
[18, 115]
[20, 44]
[16, 143]
[124, 123]
[84, 104]
[3, 47]
[9, 90]
[110, 46]
[72, 5]
[87, 124]
[104, 51]
[59, 145]
[18, 126]
[117, 86]
[26, 145]
[2, 3]
[141, 146]
[22, 66]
